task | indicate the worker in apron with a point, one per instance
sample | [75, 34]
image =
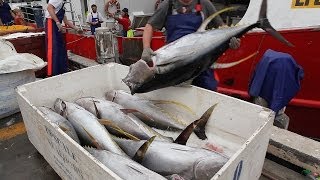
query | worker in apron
[55, 45]
[94, 19]
[182, 17]
[6, 14]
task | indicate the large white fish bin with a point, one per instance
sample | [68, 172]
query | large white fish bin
[238, 129]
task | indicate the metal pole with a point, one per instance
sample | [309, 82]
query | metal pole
[72, 13]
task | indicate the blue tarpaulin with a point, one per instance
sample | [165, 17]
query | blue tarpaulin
[276, 79]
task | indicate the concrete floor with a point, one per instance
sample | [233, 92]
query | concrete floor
[20, 160]
[18, 157]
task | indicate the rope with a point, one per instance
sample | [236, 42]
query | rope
[75, 40]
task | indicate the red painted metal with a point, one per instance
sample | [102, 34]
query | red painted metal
[81, 45]
[304, 109]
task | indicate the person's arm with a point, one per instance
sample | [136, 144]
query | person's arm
[51, 9]
[1, 24]
[157, 21]
[69, 23]
[107, 9]
[12, 14]
[147, 36]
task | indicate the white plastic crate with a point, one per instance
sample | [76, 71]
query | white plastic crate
[241, 129]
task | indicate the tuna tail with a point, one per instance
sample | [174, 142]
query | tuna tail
[201, 126]
[198, 127]
[264, 24]
[138, 157]
[184, 136]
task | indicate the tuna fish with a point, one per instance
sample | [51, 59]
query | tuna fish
[124, 167]
[119, 119]
[185, 58]
[169, 158]
[61, 122]
[87, 126]
[153, 115]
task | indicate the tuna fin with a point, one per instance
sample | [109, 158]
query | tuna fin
[64, 129]
[138, 157]
[185, 135]
[204, 25]
[94, 141]
[201, 126]
[229, 65]
[110, 124]
[96, 109]
[175, 103]
[264, 23]
[128, 111]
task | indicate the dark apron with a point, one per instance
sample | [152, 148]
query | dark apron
[180, 25]
[93, 27]
[55, 46]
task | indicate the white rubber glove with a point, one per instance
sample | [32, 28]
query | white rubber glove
[234, 43]
[147, 55]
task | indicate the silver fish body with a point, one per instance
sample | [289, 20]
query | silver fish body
[114, 112]
[61, 122]
[87, 126]
[149, 113]
[124, 167]
[170, 158]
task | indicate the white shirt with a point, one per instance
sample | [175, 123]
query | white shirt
[57, 4]
[94, 15]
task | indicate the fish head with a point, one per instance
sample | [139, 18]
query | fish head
[207, 167]
[60, 107]
[111, 95]
[139, 74]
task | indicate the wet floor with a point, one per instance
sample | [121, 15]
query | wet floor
[18, 157]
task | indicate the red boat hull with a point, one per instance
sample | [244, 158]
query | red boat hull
[304, 109]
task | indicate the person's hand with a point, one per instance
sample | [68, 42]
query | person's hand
[147, 55]
[78, 30]
[234, 43]
[59, 25]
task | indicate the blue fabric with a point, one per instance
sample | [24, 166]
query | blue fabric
[59, 51]
[180, 25]
[5, 14]
[206, 80]
[93, 27]
[276, 79]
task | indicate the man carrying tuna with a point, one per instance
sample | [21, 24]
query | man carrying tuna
[180, 18]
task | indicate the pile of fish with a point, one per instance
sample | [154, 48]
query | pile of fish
[121, 131]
